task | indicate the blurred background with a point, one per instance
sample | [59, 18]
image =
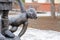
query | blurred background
[46, 26]
[48, 12]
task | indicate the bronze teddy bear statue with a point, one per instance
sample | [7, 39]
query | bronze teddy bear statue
[22, 18]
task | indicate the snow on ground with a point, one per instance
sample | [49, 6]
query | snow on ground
[48, 14]
[36, 34]
[39, 14]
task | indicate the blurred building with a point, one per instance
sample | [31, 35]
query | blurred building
[41, 5]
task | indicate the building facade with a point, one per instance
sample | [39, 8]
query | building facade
[41, 5]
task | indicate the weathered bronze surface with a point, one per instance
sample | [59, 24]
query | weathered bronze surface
[5, 6]
[22, 18]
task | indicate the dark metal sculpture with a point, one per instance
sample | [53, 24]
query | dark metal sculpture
[22, 18]
[5, 6]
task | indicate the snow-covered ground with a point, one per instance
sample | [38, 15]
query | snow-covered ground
[36, 34]
[48, 14]
[38, 14]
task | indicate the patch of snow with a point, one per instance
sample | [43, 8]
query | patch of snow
[48, 14]
[36, 34]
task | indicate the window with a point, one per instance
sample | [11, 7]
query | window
[28, 1]
[57, 1]
[44, 1]
[41, 1]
